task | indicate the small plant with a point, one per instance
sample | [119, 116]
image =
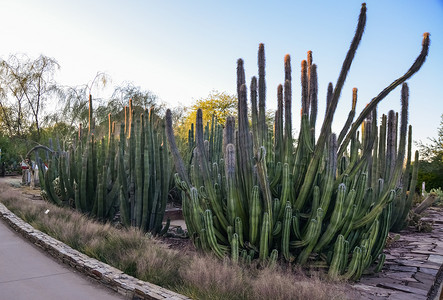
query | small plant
[415, 220]
[439, 194]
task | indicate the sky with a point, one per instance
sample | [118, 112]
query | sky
[183, 50]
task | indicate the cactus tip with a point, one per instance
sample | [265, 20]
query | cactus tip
[287, 58]
[426, 36]
[309, 58]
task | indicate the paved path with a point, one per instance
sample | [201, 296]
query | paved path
[26, 272]
[413, 268]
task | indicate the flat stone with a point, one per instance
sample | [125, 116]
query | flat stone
[422, 252]
[403, 276]
[376, 281]
[419, 256]
[419, 285]
[403, 288]
[372, 289]
[404, 296]
[404, 268]
[424, 277]
[413, 263]
[430, 265]
[436, 258]
[432, 272]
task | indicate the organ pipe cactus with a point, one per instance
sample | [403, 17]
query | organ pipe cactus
[328, 199]
[144, 172]
[101, 178]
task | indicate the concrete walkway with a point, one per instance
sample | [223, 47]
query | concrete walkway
[27, 272]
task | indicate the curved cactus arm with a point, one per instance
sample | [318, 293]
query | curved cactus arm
[334, 268]
[354, 264]
[375, 211]
[210, 235]
[308, 236]
[273, 258]
[312, 168]
[403, 211]
[350, 118]
[296, 226]
[367, 110]
[264, 238]
[335, 219]
[205, 172]
[254, 215]
[286, 233]
[239, 230]
[264, 183]
[304, 255]
[410, 198]
[286, 191]
[178, 161]
[381, 262]
[234, 248]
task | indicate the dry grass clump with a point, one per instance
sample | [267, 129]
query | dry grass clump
[282, 285]
[209, 278]
[197, 276]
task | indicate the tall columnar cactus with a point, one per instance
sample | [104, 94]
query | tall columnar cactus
[328, 201]
[144, 173]
[101, 178]
[82, 177]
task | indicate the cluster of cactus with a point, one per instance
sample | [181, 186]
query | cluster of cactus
[83, 177]
[144, 171]
[102, 178]
[327, 202]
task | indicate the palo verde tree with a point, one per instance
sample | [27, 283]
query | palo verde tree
[218, 104]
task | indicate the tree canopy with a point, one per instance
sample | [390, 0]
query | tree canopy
[25, 86]
[431, 163]
[219, 104]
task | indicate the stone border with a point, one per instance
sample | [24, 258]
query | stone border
[436, 288]
[104, 274]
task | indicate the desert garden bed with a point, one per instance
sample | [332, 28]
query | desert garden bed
[153, 260]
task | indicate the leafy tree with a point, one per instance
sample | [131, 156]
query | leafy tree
[121, 95]
[27, 84]
[141, 100]
[219, 104]
[75, 99]
[431, 162]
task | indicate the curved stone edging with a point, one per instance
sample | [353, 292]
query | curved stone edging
[105, 274]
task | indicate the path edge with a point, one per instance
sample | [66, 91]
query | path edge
[102, 273]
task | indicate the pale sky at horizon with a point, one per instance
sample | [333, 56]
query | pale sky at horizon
[181, 50]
